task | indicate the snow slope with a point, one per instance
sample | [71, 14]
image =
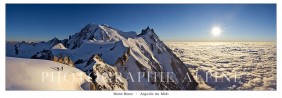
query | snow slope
[33, 74]
[59, 46]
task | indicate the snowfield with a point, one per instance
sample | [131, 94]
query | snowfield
[230, 65]
[35, 74]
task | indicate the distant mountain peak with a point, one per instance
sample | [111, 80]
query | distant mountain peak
[148, 31]
[89, 27]
[54, 41]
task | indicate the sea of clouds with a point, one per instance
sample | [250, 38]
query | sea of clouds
[229, 65]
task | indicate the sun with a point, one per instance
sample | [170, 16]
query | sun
[216, 31]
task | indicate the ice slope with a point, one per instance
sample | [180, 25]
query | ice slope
[34, 74]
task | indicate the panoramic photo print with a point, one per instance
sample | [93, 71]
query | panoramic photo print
[117, 47]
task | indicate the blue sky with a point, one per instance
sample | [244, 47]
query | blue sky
[171, 22]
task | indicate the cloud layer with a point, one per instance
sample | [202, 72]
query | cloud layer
[217, 65]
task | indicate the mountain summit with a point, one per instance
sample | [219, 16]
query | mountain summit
[116, 60]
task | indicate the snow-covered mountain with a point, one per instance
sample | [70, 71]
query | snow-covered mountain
[124, 60]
